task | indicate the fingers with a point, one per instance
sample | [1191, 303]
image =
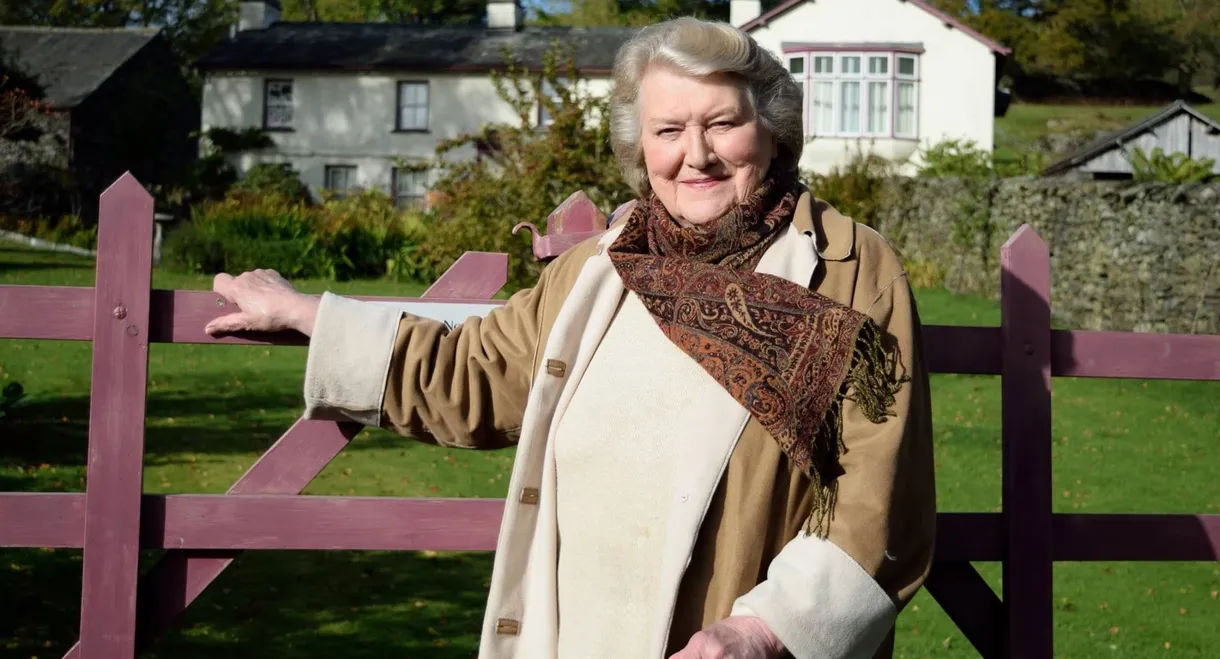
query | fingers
[234, 322]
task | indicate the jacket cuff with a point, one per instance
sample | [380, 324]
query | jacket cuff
[349, 360]
[820, 603]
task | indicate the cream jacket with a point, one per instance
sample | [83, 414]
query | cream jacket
[734, 541]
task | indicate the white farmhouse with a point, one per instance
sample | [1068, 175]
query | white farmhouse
[344, 102]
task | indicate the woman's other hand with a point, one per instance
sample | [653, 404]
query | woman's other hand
[266, 302]
[736, 637]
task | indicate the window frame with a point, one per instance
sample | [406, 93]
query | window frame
[267, 84]
[396, 177]
[837, 57]
[353, 173]
[399, 107]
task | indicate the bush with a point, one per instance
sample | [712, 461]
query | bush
[67, 230]
[273, 179]
[856, 189]
[956, 159]
[33, 190]
[1177, 169]
[361, 236]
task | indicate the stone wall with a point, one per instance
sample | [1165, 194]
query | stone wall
[1125, 256]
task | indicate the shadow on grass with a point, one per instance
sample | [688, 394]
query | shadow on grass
[47, 439]
[295, 605]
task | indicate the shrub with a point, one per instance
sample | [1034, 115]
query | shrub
[857, 188]
[273, 179]
[357, 237]
[67, 230]
[956, 159]
[1178, 168]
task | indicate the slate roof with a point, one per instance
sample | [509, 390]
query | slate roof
[71, 63]
[1112, 140]
[396, 46]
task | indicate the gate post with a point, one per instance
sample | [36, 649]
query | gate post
[116, 421]
[1025, 325]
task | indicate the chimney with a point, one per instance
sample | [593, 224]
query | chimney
[743, 11]
[504, 14]
[257, 14]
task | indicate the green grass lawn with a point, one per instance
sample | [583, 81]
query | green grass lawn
[1119, 446]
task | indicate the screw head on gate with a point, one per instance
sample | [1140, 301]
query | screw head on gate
[120, 312]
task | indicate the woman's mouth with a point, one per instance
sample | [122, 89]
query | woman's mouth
[703, 183]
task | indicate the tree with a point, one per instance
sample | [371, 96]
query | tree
[1073, 39]
[526, 170]
[1193, 27]
[392, 11]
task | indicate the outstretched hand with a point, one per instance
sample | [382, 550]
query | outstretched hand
[266, 302]
[736, 637]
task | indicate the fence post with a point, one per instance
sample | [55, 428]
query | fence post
[116, 421]
[1026, 393]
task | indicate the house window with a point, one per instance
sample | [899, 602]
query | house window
[277, 105]
[412, 106]
[906, 97]
[858, 94]
[340, 179]
[410, 188]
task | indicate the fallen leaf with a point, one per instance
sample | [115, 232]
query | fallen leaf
[1215, 594]
[1113, 631]
[1166, 645]
[1182, 612]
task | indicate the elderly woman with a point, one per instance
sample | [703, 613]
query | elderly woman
[719, 405]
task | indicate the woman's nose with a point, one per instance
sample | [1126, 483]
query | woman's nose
[699, 151]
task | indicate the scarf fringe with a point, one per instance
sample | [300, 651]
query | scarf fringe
[871, 383]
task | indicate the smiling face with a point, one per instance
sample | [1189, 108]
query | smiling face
[704, 148]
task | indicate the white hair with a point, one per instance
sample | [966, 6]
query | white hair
[702, 48]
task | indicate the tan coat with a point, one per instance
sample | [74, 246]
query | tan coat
[734, 537]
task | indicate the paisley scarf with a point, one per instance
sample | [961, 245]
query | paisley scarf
[789, 355]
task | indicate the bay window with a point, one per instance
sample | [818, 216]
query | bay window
[870, 93]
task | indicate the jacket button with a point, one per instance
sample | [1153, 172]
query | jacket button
[530, 496]
[508, 627]
[556, 368]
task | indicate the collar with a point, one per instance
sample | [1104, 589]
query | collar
[835, 233]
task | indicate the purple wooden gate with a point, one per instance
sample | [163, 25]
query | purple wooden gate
[112, 520]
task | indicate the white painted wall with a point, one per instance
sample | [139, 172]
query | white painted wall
[348, 119]
[957, 72]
